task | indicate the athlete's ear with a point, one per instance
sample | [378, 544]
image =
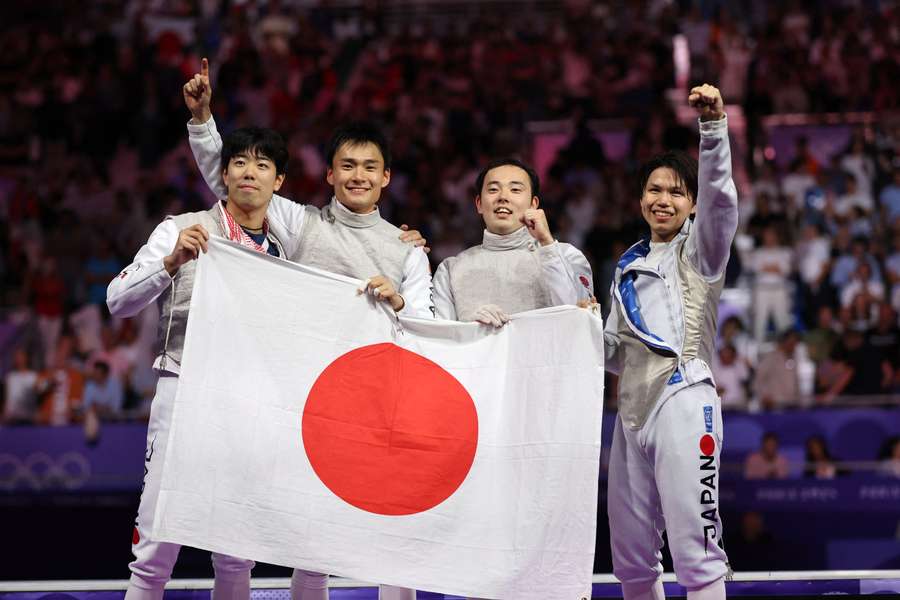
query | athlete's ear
[478, 204]
[535, 201]
[329, 176]
[278, 181]
[387, 178]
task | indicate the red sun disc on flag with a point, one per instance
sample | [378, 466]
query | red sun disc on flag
[389, 431]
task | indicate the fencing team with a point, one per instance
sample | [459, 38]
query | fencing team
[660, 334]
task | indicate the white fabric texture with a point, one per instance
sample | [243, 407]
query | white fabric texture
[237, 479]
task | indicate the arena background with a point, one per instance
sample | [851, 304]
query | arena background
[93, 154]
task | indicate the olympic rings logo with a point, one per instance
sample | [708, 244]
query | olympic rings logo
[39, 471]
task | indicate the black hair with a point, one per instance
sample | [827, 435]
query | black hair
[515, 162]
[260, 141]
[357, 133]
[683, 164]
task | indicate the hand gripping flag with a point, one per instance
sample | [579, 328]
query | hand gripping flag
[314, 429]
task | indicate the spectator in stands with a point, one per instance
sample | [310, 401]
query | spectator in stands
[731, 373]
[103, 393]
[822, 339]
[859, 164]
[819, 464]
[99, 268]
[890, 458]
[767, 462]
[60, 387]
[776, 382]
[733, 333]
[48, 294]
[846, 264]
[890, 198]
[814, 261]
[853, 198]
[860, 370]
[772, 265]
[862, 284]
[19, 406]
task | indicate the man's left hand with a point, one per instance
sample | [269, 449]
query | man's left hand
[536, 221]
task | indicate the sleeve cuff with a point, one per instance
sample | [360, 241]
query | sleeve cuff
[710, 128]
[203, 129]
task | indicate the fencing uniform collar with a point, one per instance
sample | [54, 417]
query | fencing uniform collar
[336, 211]
[520, 238]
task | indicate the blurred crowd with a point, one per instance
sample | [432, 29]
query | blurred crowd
[93, 156]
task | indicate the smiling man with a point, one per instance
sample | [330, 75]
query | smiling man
[660, 337]
[519, 266]
[348, 237]
[252, 168]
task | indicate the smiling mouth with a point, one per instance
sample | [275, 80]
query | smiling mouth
[502, 211]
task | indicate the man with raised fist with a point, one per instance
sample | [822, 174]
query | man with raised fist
[660, 338]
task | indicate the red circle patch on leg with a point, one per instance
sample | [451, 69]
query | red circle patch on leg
[389, 431]
[707, 445]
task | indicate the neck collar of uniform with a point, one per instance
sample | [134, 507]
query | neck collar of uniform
[347, 217]
[519, 238]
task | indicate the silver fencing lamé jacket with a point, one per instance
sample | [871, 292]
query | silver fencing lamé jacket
[660, 334]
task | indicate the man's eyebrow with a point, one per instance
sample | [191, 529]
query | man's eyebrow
[497, 182]
[365, 161]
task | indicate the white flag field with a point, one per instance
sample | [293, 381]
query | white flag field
[313, 429]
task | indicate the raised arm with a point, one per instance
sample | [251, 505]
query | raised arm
[204, 138]
[716, 220]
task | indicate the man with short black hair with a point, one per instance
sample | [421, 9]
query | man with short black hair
[660, 338]
[252, 168]
[519, 266]
[348, 237]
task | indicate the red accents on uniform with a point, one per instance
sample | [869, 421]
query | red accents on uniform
[135, 537]
[707, 445]
[389, 431]
[584, 281]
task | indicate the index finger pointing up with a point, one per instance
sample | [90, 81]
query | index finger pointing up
[204, 67]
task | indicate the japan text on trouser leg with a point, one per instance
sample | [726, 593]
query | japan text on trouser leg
[678, 448]
[153, 561]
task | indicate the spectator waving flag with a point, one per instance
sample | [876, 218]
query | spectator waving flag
[314, 430]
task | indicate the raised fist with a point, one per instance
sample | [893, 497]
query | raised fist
[708, 102]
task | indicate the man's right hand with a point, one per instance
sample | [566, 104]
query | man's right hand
[191, 241]
[198, 94]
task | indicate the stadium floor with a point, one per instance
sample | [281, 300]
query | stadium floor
[786, 584]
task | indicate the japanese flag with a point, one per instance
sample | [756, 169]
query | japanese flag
[314, 429]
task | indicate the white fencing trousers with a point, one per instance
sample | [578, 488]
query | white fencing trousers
[153, 561]
[665, 477]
